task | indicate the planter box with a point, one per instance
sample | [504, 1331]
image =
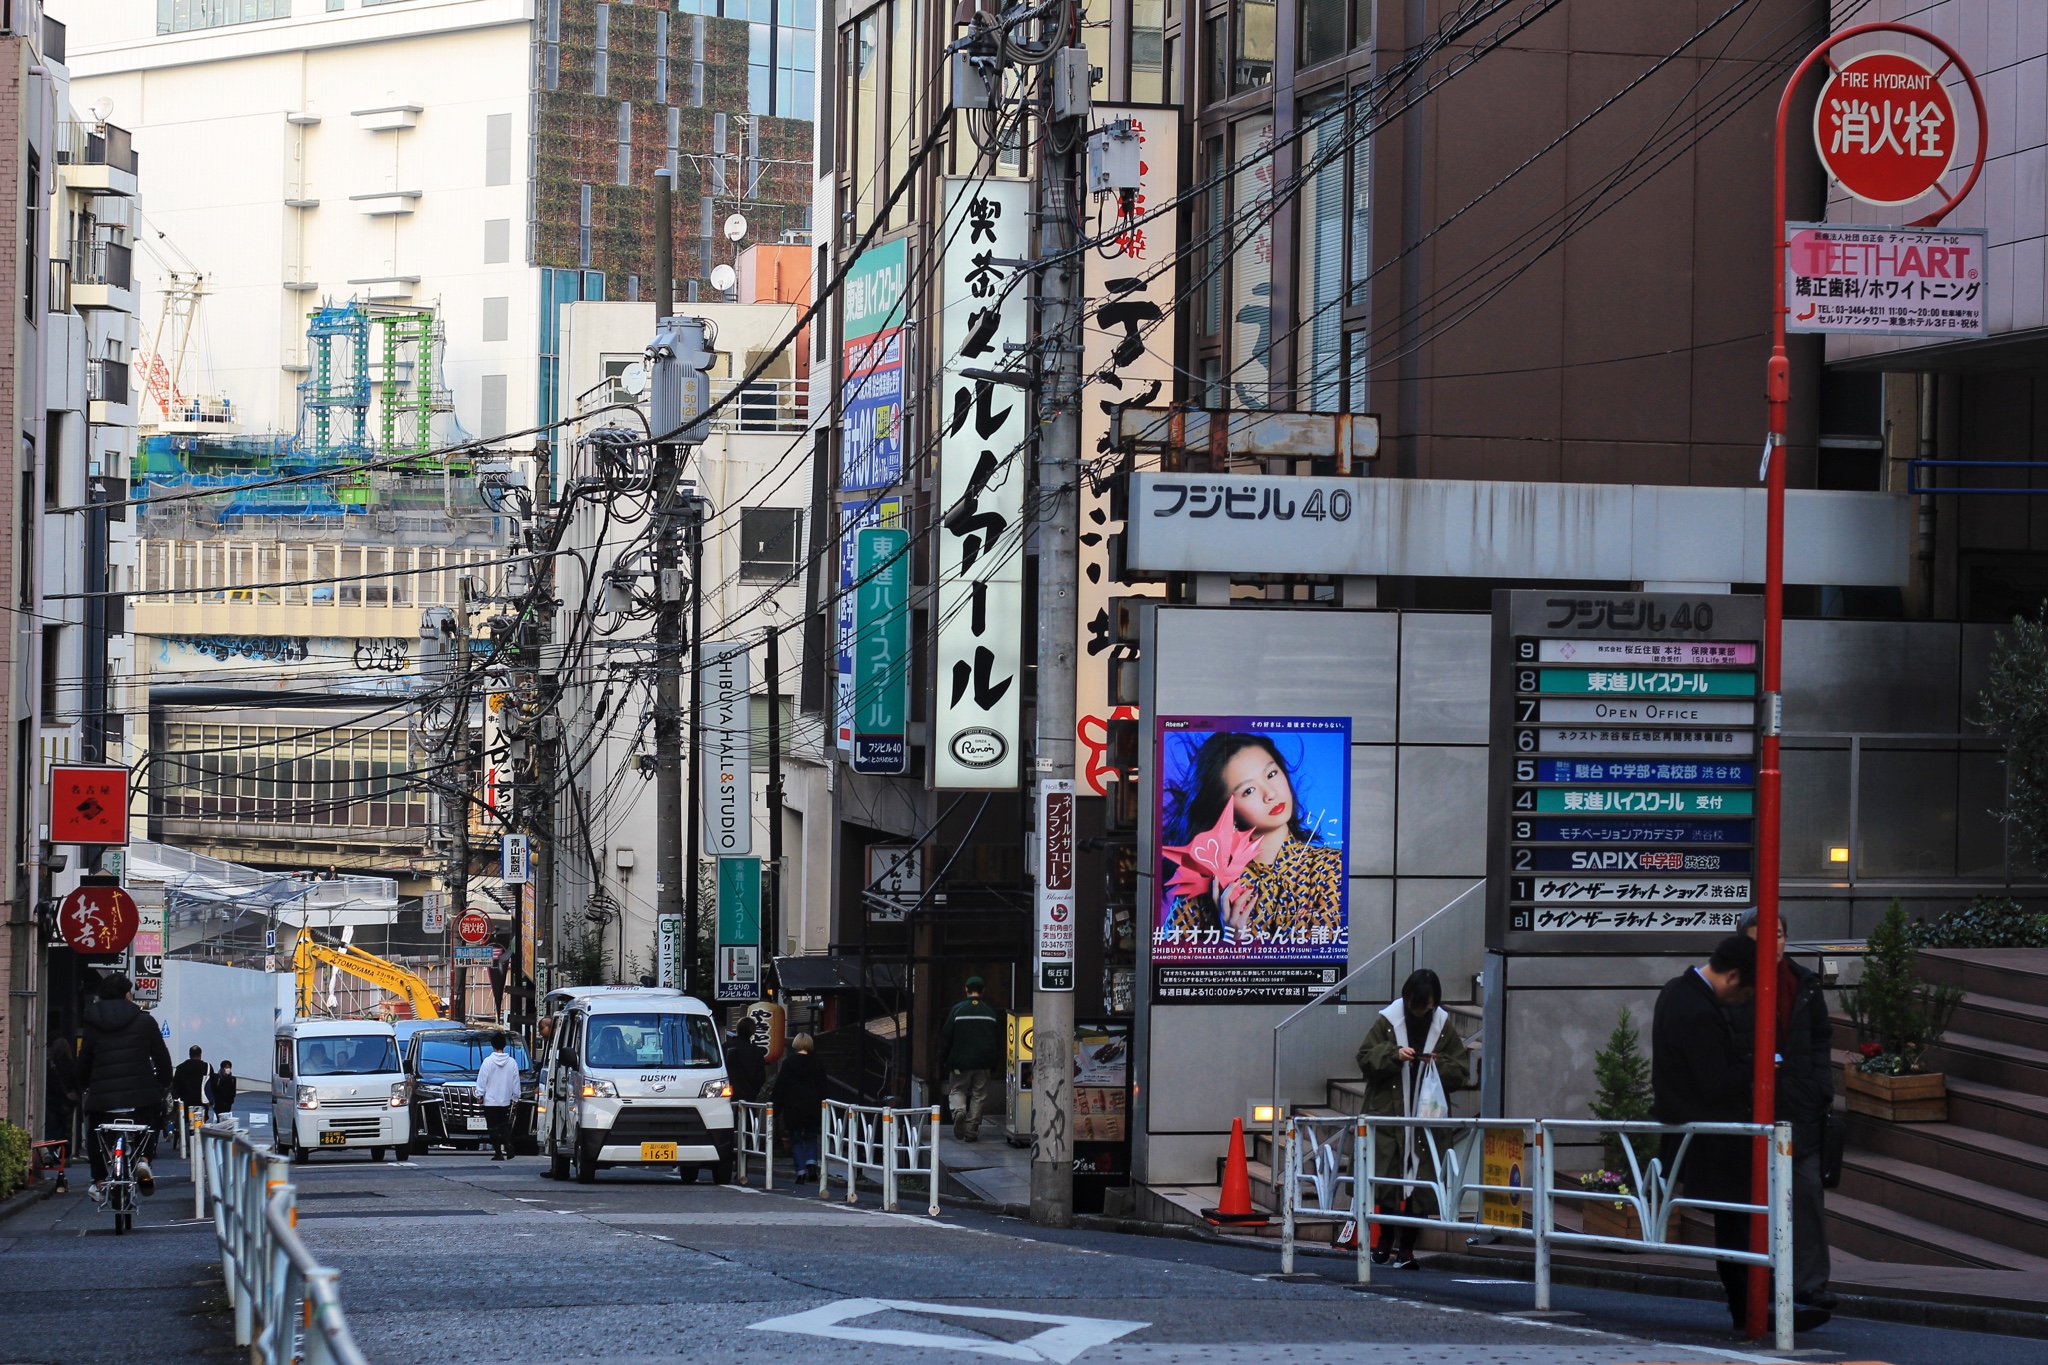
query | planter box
[1921, 1097]
[1600, 1218]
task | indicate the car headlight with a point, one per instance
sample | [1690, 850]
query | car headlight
[309, 1098]
[716, 1090]
[400, 1092]
[599, 1088]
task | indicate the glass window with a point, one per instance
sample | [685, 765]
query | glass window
[348, 1054]
[632, 1040]
[1251, 267]
[1323, 259]
[1322, 30]
[903, 135]
[462, 1055]
[861, 128]
[1153, 77]
[1361, 22]
[1213, 201]
[1215, 60]
[1252, 31]
[770, 550]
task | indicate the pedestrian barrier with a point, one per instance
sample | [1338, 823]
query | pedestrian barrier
[287, 1308]
[885, 1143]
[1324, 1156]
[754, 1135]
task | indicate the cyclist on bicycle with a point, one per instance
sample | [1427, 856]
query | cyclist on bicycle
[123, 1066]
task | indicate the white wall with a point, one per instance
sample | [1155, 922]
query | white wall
[230, 1012]
[220, 160]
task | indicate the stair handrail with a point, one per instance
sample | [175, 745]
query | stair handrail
[1330, 992]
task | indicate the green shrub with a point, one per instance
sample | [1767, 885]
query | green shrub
[13, 1158]
[1986, 922]
[1622, 1073]
[1892, 1007]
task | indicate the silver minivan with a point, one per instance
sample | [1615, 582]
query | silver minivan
[634, 1076]
[338, 1084]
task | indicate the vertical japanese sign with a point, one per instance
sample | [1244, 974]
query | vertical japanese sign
[984, 446]
[853, 519]
[1054, 942]
[147, 948]
[513, 853]
[1127, 346]
[668, 931]
[871, 396]
[726, 777]
[739, 929]
[881, 651]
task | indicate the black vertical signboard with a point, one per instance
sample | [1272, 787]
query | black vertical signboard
[1622, 797]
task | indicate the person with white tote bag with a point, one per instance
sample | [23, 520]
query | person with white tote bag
[1412, 1060]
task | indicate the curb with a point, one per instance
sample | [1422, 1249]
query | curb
[21, 1199]
[1918, 1312]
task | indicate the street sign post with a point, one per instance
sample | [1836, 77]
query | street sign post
[1872, 170]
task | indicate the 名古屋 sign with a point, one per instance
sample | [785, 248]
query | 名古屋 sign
[1885, 281]
[1885, 127]
[98, 919]
[88, 805]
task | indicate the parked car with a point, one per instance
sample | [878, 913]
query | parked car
[442, 1064]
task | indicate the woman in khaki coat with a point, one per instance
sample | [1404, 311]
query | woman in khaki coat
[1410, 1036]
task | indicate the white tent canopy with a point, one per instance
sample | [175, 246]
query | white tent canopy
[296, 899]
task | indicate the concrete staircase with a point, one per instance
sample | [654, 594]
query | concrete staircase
[1971, 1192]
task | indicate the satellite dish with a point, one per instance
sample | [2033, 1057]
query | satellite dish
[103, 108]
[735, 227]
[723, 277]
[633, 379]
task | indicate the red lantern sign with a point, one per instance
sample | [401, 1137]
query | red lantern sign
[88, 805]
[474, 927]
[1885, 127]
[98, 919]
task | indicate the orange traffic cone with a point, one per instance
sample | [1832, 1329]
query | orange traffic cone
[1236, 1205]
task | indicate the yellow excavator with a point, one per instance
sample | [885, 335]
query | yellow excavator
[371, 968]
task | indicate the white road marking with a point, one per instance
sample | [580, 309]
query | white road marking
[1065, 1339]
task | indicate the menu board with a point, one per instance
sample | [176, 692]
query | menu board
[1622, 800]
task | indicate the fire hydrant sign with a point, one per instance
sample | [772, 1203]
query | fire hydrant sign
[1885, 127]
[1884, 281]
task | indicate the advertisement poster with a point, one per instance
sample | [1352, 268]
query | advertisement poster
[1253, 903]
[855, 517]
[871, 401]
[1101, 1076]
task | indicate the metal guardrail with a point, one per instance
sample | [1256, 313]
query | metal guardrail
[287, 1306]
[754, 1135]
[885, 1143]
[1324, 1156]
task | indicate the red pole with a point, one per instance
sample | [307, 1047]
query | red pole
[1769, 778]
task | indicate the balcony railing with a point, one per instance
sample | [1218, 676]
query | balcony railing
[106, 381]
[101, 260]
[95, 144]
[764, 405]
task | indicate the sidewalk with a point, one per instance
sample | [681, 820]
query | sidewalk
[990, 1169]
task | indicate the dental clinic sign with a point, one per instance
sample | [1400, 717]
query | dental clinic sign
[1885, 281]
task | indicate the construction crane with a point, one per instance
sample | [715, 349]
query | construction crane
[371, 968]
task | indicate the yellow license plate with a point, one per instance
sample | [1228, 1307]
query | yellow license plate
[333, 1139]
[657, 1151]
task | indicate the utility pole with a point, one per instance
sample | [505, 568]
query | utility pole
[692, 511]
[464, 779]
[668, 585]
[1059, 464]
[771, 893]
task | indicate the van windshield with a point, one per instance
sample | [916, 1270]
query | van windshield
[348, 1054]
[629, 1040]
[463, 1057]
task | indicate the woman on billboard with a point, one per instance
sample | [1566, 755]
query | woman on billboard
[1252, 869]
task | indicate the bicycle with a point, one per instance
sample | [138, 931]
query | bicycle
[121, 1143]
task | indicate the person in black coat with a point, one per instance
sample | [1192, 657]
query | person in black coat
[1699, 1074]
[799, 1095]
[188, 1082]
[220, 1093]
[1805, 1094]
[123, 1065]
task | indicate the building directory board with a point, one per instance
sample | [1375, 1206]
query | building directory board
[1622, 800]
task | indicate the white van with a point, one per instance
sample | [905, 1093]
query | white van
[634, 1077]
[338, 1083]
